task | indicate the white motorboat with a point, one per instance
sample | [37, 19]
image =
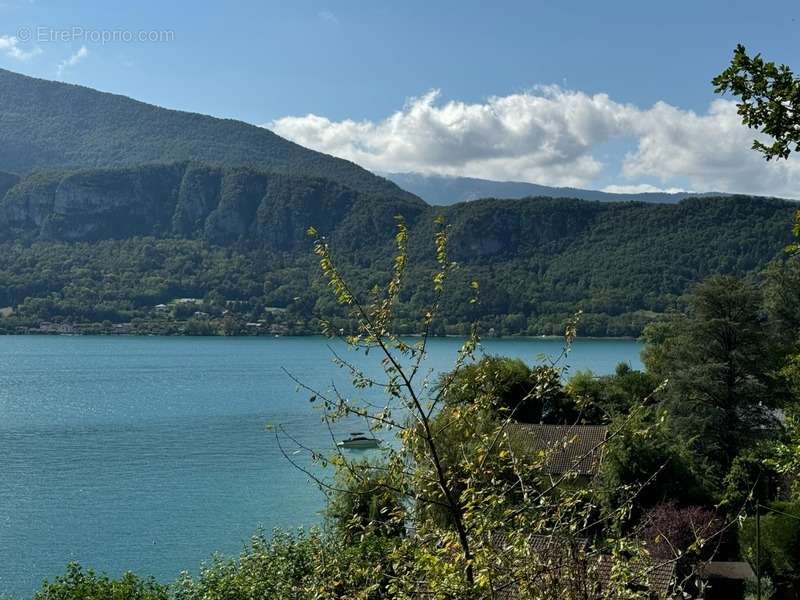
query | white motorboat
[359, 441]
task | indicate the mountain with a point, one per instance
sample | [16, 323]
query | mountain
[52, 125]
[119, 206]
[107, 245]
[442, 190]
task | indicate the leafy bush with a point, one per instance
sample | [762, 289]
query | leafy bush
[512, 388]
[297, 566]
[77, 584]
[365, 500]
[608, 396]
[780, 541]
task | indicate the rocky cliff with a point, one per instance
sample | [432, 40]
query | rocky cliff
[246, 207]
[222, 206]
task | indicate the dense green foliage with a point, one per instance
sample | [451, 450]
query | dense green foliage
[301, 565]
[720, 367]
[606, 397]
[88, 585]
[780, 540]
[530, 395]
[97, 246]
[362, 505]
[650, 455]
[283, 566]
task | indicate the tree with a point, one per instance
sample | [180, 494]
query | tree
[672, 532]
[608, 396]
[769, 100]
[753, 477]
[647, 458]
[720, 370]
[510, 387]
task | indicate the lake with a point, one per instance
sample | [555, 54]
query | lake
[150, 454]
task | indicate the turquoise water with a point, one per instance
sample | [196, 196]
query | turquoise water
[149, 454]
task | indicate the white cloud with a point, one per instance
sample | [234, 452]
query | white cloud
[552, 136]
[546, 136]
[711, 151]
[9, 46]
[642, 188]
[72, 60]
[328, 16]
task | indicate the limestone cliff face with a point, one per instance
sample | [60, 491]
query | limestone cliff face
[223, 206]
[94, 205]
[235, 206]
[197, 197]
[27, 205]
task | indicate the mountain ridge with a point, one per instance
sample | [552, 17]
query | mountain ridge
[443, 190]
[49, 124]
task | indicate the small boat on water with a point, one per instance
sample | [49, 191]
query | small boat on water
[359, 441]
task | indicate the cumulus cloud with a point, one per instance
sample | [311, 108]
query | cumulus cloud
[642, 188]
[10, 47]
[711, 151]
[553, 136]
[546, 137]
[72, 60]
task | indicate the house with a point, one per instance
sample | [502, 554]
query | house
[61, 328]
[574, 449]
[573, 563]
[161, 307]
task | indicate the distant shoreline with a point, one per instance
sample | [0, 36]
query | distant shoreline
[302, 335]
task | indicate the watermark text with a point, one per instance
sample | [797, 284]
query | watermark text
[84, 35]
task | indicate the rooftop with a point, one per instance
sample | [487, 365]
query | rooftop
[586, 570]
[577, 448]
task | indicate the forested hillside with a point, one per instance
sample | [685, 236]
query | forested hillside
[50, 125]
[109, 245]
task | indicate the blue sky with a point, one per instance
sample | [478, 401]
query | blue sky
[355, 79]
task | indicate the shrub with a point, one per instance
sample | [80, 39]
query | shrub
[365, 500]
[780, 541]
[77, 584]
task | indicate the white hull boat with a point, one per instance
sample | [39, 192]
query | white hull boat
[358, 441]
